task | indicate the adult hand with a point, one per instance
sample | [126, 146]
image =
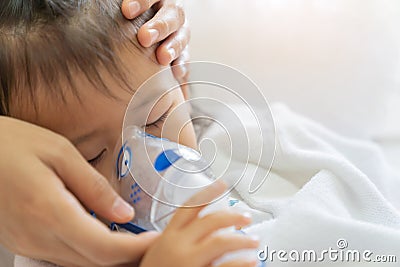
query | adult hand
[41, 177]
[169, 26]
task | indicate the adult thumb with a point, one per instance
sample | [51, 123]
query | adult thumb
[89, 186]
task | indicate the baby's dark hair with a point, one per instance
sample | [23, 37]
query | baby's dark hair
[47, 41]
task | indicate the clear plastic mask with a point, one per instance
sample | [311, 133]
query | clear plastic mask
[156, 175]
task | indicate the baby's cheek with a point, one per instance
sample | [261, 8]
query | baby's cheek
[108, 170]
[180, 127]
[188, 136]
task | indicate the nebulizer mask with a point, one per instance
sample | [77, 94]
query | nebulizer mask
[157, 175]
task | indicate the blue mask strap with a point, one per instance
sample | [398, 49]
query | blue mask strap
[130, 227]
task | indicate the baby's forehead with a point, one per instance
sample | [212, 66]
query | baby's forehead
[72, 116]
[48, 108]
[44, 47]
[67, 107]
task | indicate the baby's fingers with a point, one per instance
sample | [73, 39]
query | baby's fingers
[215, 246]
[239, 263]
[195, 204]
[215, 221]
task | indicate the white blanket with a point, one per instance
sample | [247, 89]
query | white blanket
[325, 189]
[322, 189]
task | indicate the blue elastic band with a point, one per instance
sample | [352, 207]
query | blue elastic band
[131, 227]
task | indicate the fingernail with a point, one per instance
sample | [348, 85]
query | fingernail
[255, 240]
[153, 35]
[122, 209]
[247, 215]
[134, 8]
[171, 53]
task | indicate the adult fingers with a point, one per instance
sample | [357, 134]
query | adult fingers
[133, 8]
[64, 255]
[174, 46]
[180, 67]
[97, 243]
[89, 186]
[57, 252]
[166, 21]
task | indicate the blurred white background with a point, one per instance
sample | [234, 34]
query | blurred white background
[336, 61]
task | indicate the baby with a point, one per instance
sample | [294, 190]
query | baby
[72, 67]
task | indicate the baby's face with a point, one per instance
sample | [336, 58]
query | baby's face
[93, 123]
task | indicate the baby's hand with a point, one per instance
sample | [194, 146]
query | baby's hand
[192, 241]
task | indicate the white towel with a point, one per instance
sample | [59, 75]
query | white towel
[322, 188]
[20, 261]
